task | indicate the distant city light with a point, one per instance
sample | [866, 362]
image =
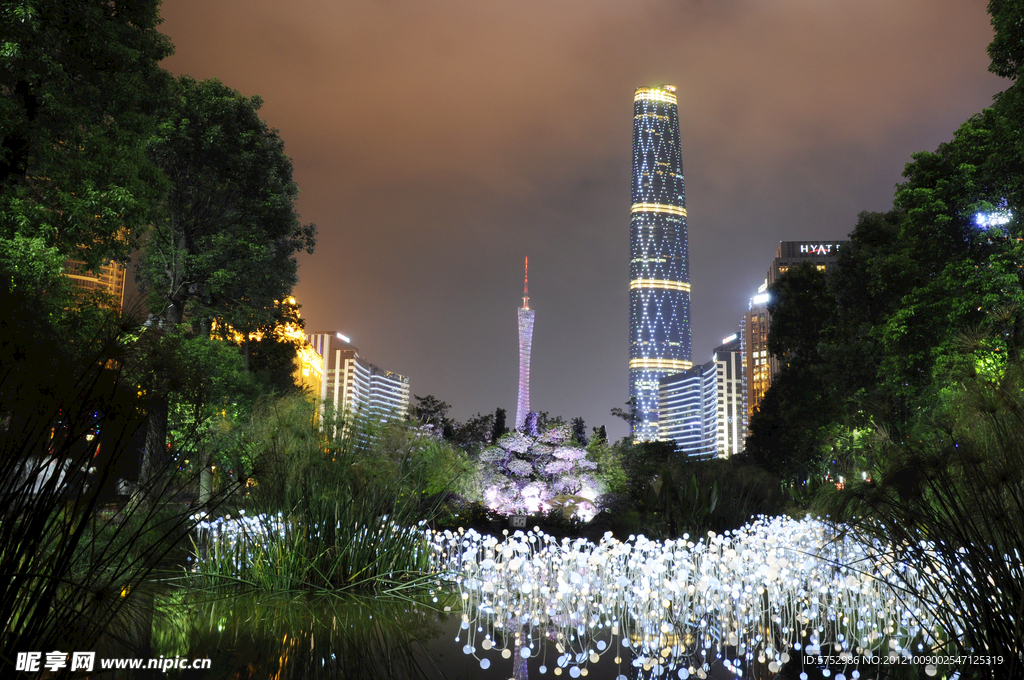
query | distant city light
[996, 218]
[759, 299]
[726, 341]
[344, 338]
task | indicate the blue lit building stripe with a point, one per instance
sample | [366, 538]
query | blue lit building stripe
[659, 295]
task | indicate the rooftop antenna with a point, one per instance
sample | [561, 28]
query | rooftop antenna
[526, 284]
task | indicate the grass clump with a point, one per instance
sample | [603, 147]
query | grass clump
[75, 559]
[335, 503]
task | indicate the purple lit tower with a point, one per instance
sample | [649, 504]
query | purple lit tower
[525, 341]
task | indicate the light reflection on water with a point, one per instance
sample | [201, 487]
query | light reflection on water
[259, 636]
[256, 637]
[751, 602]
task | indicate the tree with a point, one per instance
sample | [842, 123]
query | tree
[531, 473]
[866, 287]
[883, 343]
[1007, 47]
[430, 410]
[269, 351]
[80, 91]
[579, 431]
[474, 433]
[223, 248]
[800, 308]
[641, 462]
[784, 430]
[630, 415]
[207, 387]
[609, 471]
[500, 427]
[228, 235]
[945, 493]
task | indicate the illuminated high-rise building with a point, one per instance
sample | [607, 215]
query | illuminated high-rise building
[525, 342]
[107, 279]
[761, 366]
[757, 361]
[702, 410]
[687, 410]
[659, 272]
[821, 254]
[351, 385]
[731, 397]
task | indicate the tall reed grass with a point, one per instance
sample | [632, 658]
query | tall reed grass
[72, 562]
[337, 505]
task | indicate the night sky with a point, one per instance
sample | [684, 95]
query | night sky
[438, 143]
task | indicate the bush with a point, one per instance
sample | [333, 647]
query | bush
[333, 507]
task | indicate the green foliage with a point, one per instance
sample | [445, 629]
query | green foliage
[334, 512]
[609, 472]
[71, 565]
[1007, 47]
[228, 235]
[80, 89]
[946, 493]
[887, 321]
[641, 462]
[223, 248]
[472, 436]
[714, 495]
[475, 433]
[208, 382]
[662, 493]
[915, 440]
[269, 349]
[799, 305]
[789, 428]
[430, 410]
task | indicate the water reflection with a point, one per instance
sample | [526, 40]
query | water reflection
[257, 636]
[765, 600]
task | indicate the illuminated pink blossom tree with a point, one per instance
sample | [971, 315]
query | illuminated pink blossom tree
[523, 473]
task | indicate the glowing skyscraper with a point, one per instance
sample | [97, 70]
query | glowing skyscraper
[525, 341]
[659, 272]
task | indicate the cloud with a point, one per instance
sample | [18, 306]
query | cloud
[437, 143]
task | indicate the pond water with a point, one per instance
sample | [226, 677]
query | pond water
[251, 636]
[769, 600]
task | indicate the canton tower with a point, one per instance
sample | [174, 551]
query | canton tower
[659, 271]
[525, 341]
